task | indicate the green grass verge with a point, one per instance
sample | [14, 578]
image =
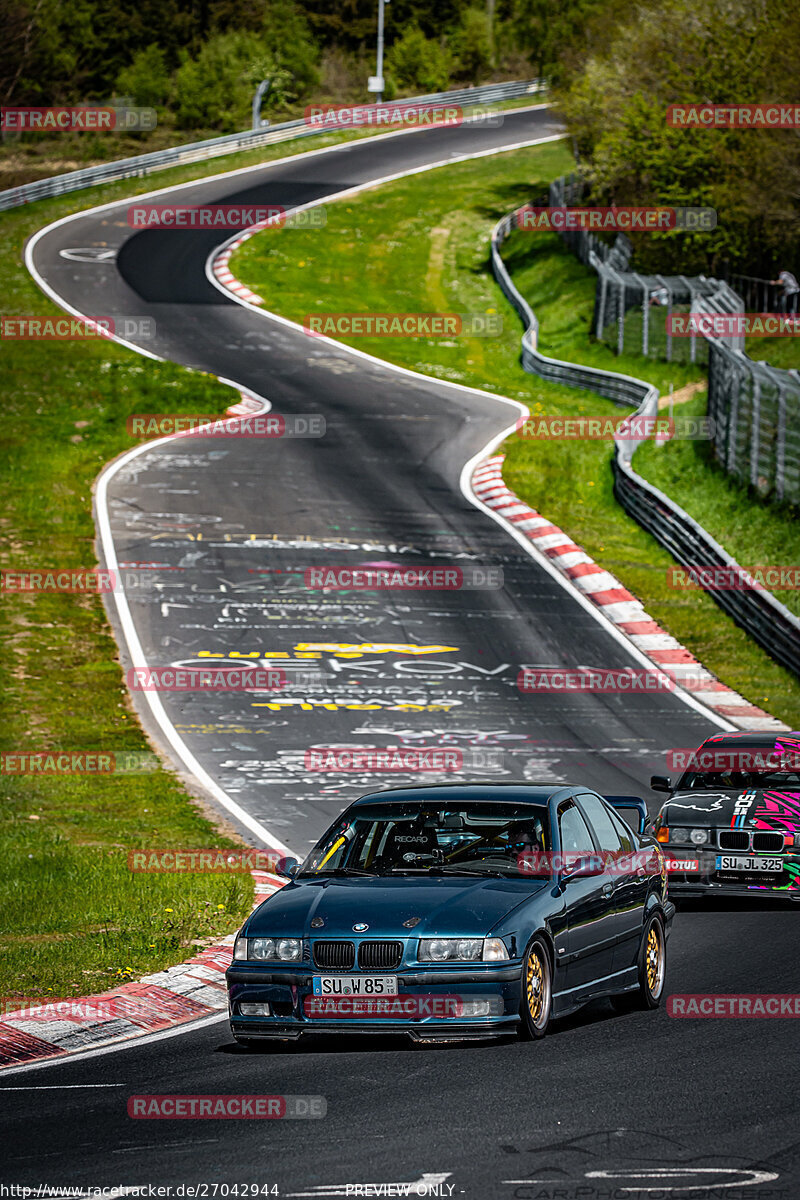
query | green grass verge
[776, 352]
[73, 919]
[421, 245]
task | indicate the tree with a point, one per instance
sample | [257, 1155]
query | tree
[472, 46]
[419, 64]
[46, 50]
[213, 90]
[559, 34]
[147, 79]
[726, 52]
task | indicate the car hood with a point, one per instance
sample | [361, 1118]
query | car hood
[443, 905]
[735, 809]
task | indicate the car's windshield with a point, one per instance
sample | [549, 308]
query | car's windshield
[779, 778]
[466, 838]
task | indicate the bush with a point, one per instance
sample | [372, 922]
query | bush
[215, 89]
[472, 45]
[287, 39]
[674, 53]
[147, 79]
[419, 64]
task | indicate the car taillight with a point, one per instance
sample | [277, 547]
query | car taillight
[663, 834]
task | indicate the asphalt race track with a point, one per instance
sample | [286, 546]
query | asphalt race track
[638, 1105]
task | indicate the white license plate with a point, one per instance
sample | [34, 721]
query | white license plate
[355, 985]
[732, 862]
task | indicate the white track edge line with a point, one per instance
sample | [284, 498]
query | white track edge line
[138, 658]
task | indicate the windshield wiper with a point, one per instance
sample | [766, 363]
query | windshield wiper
[340, 871]
[441, 868]
[425, 868]
[458, 869]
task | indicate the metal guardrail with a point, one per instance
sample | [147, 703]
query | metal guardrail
[758, 612]
[249, 139]
[763, 617]
[622, 389]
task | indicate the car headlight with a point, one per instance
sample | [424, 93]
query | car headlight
[699, 836]
[262, 947]
[266, 949]
[436, 949]
[461, 950]
[679, 835]
[450, 949]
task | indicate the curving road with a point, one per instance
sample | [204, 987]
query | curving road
[665, 1104]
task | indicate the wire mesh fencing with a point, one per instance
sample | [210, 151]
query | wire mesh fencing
[754, 408]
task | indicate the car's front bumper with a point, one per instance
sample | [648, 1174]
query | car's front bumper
[287, 992]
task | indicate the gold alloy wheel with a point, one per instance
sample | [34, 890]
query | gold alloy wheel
[536, 986]
[654, 959]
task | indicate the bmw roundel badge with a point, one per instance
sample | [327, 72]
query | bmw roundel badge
[360, 927]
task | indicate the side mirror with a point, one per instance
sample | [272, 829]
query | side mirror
[585, 867]
[660, 783]
[287, 868]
